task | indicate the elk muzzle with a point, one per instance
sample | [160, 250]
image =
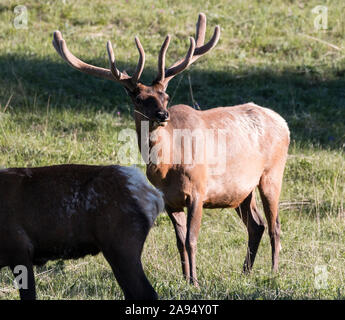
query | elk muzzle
[162, 118]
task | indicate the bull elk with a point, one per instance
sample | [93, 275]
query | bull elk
[69, 211]
[255, 151]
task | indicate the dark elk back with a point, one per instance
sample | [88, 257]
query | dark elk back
[69, 211]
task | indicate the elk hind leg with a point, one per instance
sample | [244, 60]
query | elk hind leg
[270, 186]
[254, 223]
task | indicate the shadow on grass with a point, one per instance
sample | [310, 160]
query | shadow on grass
[312, 104]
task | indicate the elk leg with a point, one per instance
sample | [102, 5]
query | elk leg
[25, 271]
[179, 221]
[193, 226]
[270, 186]
[250, 216]
[129, 273]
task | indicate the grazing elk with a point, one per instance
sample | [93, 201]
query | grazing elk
[254, 153]
[69, 211]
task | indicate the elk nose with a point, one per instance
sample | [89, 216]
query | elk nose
[162, 115]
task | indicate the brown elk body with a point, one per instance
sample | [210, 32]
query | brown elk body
[69, 211]
[254, 155]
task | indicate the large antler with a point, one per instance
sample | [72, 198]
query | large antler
[113, 74]
[196, 49]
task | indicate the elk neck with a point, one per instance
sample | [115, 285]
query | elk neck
[146, 128]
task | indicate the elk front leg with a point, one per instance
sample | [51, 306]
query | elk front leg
[179, 221]
[193, 226]
[27, 290]
[129, 273]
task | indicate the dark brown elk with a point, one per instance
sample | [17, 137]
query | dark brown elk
[69, 211]
[253, 154]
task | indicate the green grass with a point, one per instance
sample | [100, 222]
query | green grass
[51, 114]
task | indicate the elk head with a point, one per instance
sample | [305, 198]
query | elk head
[150, 102]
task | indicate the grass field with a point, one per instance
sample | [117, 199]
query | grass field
[269, 53]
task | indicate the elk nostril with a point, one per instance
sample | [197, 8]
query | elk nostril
[162, 115]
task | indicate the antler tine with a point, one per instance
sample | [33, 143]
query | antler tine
[181, 65]
[200, 30]
[128, 81]
[199, 51]
[116, 73]
[161, 59]
[56, 37]
[123, 78]
[196, 49]
[56, 43]
[140, 66]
